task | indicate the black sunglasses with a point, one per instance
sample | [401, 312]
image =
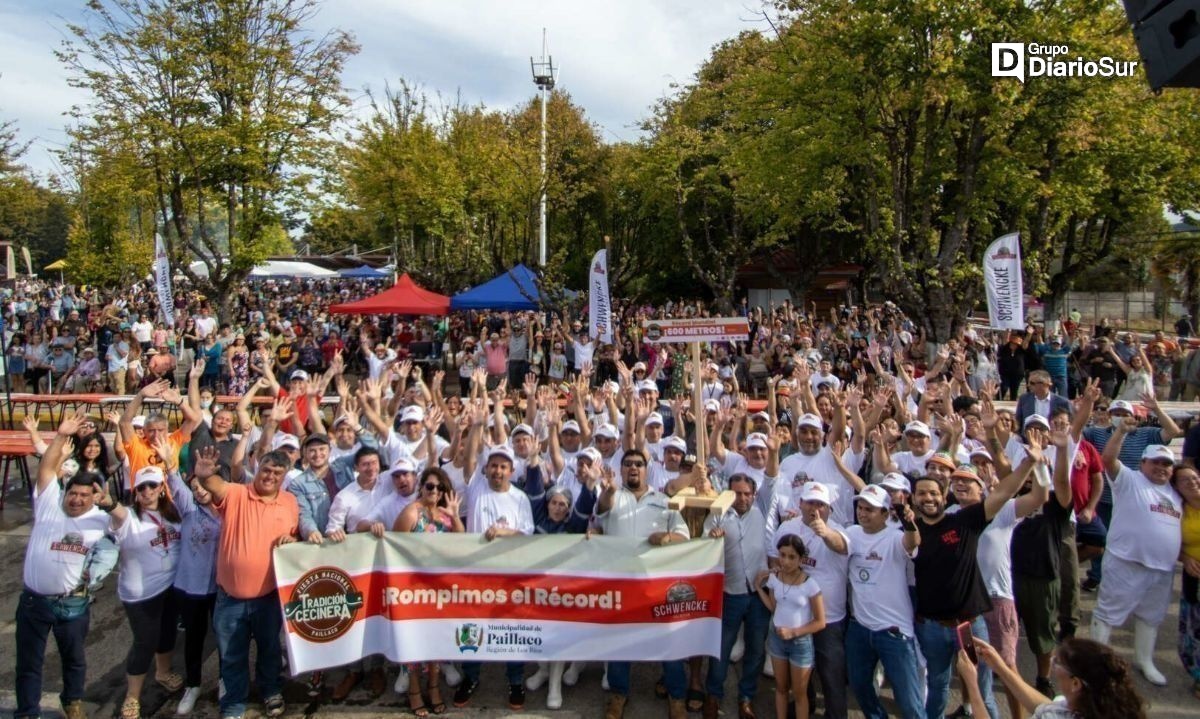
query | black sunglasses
[432, 487]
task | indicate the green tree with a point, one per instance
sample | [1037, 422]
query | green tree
[229, 104]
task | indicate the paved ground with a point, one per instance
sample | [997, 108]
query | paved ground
[109, 639]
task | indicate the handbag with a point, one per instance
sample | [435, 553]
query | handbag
[71, 606]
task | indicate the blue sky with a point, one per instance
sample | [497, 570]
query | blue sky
[616, 57]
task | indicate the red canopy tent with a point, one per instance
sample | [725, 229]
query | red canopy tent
[404, 298]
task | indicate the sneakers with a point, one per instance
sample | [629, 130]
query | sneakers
[1089, 585]
[186, 703]
[516, 696]
[464, 692]
[450, 673]
[273, 706]
[74, 710]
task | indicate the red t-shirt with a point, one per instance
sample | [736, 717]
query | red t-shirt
[1087, 462]
[290, 425]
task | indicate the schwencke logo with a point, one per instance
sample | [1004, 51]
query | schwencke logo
[323, 604]
[1025, 60]
[681, 601]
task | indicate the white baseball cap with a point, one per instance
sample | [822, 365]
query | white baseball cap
[647, 385]
[404, 464]
[522, 428]
[298, 374]
[876, 496]
[283, 439]
[816, 492]
[712, 405]
[761, 415]
[917, 427]
[501, 450]
[895, 480]
[590, 453]
[654, 418]
[675, 443]
[809, 420]
[570, 426]
[607, 429]
[981, 452]
[412, 413]
[138, 421]
[1120, 405]
[756, 439]
[1158, 451]
[1036, 419]
[149, 474]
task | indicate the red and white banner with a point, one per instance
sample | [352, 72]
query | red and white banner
[704, 329]
[448, 597]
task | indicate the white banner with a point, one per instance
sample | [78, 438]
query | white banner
[600, 310]
[450, 597]
[701, 329]
[1002, 279]
[162, 279]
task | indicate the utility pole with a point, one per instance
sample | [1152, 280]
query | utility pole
[544, 78]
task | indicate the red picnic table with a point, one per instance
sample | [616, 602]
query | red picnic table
[15, 447]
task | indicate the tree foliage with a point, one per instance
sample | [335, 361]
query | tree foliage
[227, 104]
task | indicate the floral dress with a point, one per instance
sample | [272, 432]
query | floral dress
[430, 525]
[239, 373]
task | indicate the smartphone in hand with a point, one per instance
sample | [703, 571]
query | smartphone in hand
[966, 642]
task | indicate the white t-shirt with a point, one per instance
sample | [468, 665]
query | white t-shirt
[583, 353]
[149, 555]
[142, 331]
[1147, 521]
[659, 476]
[398, 446]
[205, 326]
[486, 507]
[389, 509]
[821, 468]
[993, 555]
[822, 563]
[878, 580]
[58, 544]
[793, 602]
[737, 464]
[912, 464]
[817, 379]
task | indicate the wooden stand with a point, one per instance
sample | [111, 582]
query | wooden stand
[694, 507]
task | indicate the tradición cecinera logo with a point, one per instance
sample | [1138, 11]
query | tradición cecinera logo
[323, 604]
[682, 601]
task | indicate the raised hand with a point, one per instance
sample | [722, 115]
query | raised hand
[155, 388]
[170, 394]
[282, 409]
[340, 386]
[608, 480]
[197, 369]
[1059, 439]
[433, 420]
[439, 379]
[1091, 390]
[30, 422]
[70, 423]
[530, 385]
[163, 448]
[453, 503]
[205, 462]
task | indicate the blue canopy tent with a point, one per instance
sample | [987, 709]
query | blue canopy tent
[365, 272]
[513, 291]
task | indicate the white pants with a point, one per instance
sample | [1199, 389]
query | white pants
[1131, 588]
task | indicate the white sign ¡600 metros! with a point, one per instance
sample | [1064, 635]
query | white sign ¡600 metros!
[1025, 60]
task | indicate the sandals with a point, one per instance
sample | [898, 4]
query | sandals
[416, 704]
[435, 698]
[695, 700]
[131, 709]
[171, 682]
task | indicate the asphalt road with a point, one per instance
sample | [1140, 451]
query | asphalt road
[109, 638]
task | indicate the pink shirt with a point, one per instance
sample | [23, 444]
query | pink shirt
[497, 357]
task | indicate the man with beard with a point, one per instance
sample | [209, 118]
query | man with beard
[950, 587]
[637, 510]
[815, 461]
[382, 516]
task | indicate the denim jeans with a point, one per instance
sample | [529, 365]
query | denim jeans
[674, 677]
[830, 645]
[939, 644]
[898, 653]
[1104, 512]
[515, 671]
[738, 611]
[236, 622]
[35, 622]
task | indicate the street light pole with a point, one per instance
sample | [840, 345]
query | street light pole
[543, 77]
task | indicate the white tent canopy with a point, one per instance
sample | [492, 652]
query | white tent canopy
[276, 268]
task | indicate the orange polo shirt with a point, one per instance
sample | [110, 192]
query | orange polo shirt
[141, 454]
[250, 526]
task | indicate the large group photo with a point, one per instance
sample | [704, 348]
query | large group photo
[855, 375]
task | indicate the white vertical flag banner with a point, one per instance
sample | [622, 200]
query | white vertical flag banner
[1002, 279]
[10, 264]
[600, 309]
[28, 261]
[162, 280]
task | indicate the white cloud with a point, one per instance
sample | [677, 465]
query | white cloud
[616, 58]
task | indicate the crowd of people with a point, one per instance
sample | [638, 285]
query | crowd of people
[885, 505]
